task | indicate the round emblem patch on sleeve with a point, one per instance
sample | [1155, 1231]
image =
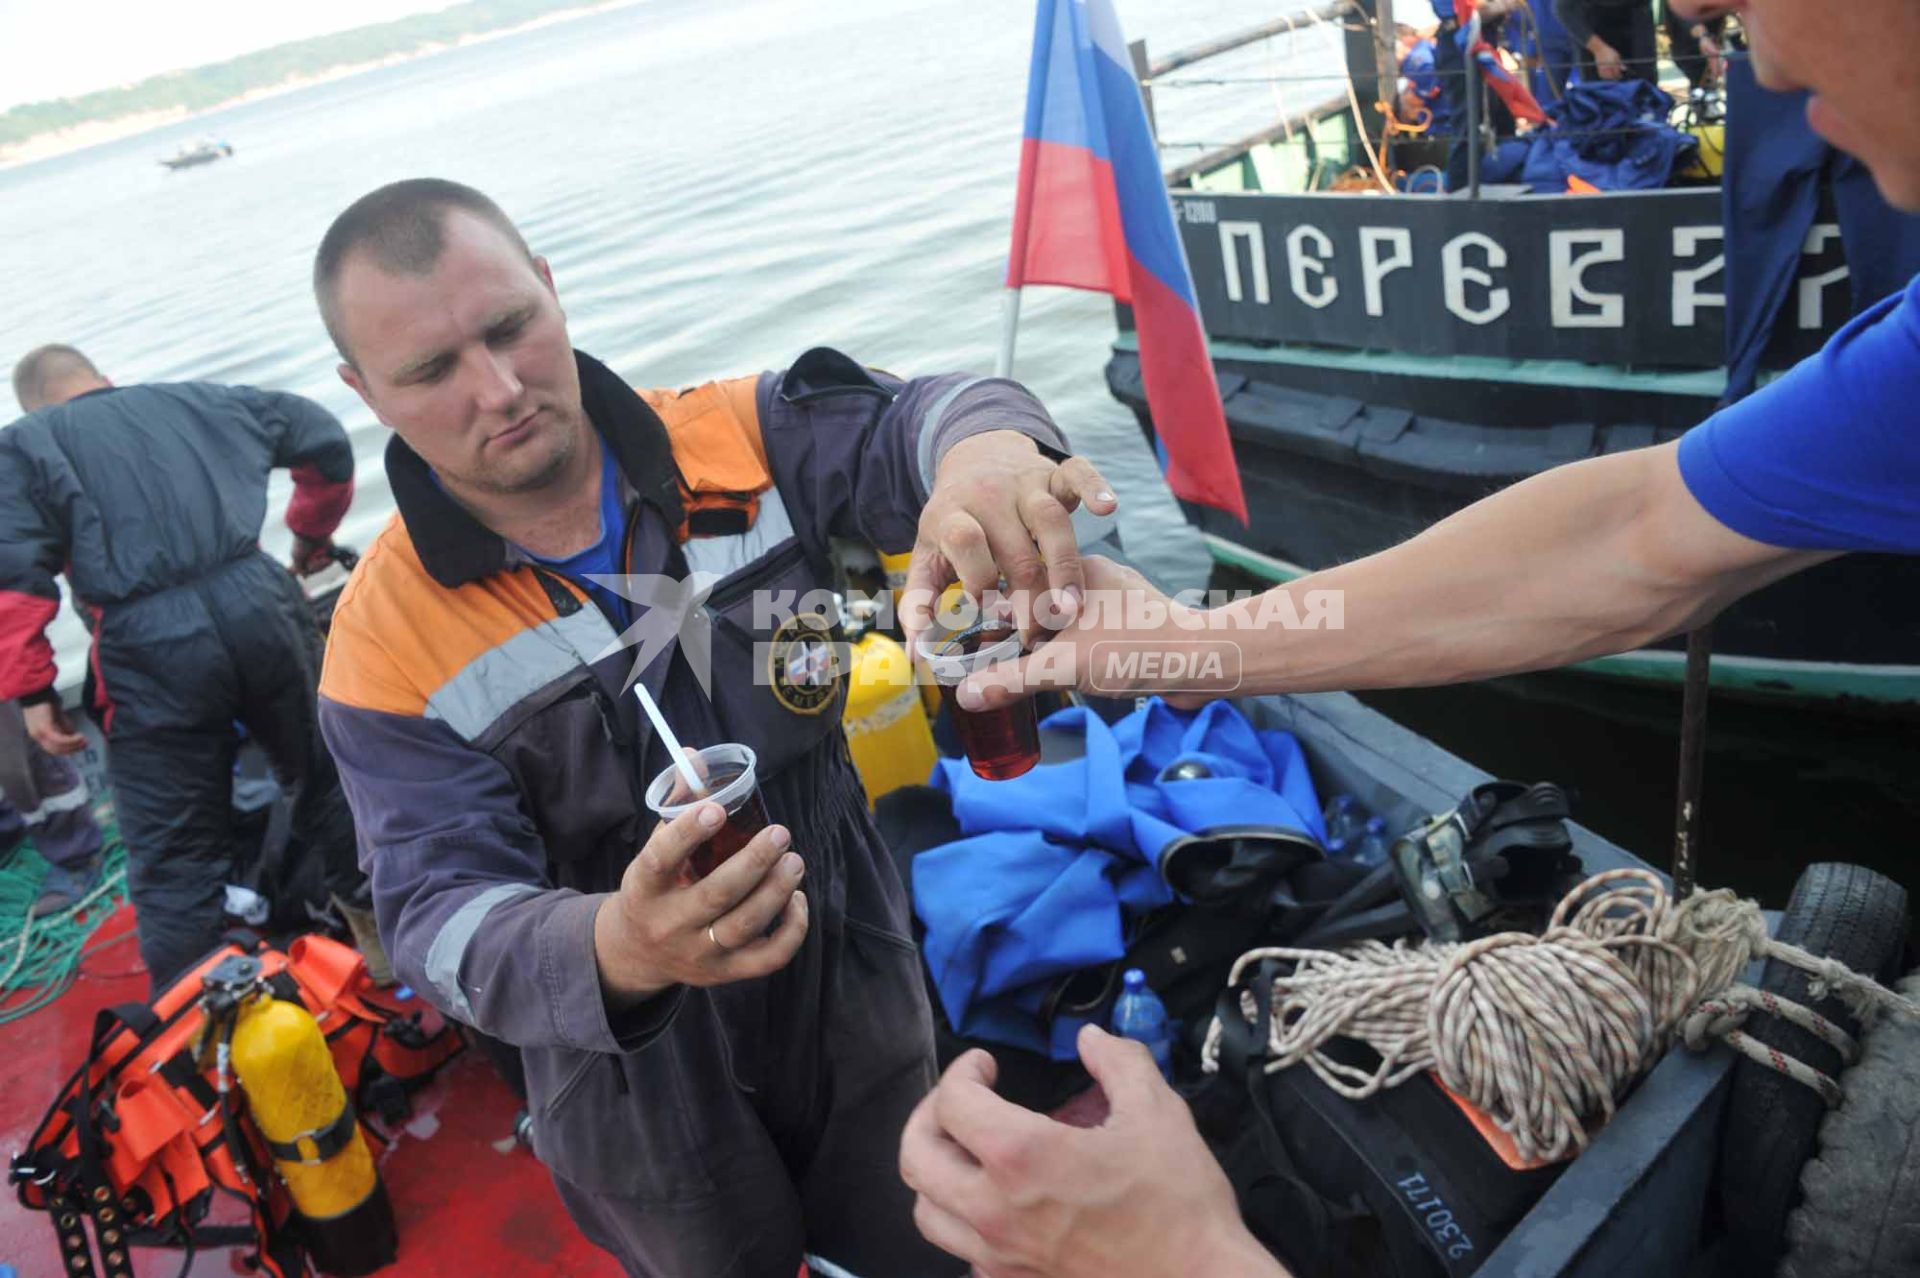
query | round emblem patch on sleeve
[803, 664]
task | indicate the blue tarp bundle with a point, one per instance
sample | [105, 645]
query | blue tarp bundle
[1056, 864]
[1612, 134]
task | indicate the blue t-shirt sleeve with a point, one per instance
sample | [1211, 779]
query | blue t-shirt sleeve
[1828, 456]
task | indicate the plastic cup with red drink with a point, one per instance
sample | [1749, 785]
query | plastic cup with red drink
[731, 781]
[1000, 744]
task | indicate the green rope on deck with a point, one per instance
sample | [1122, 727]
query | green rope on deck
[39, 958]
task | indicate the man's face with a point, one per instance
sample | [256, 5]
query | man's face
[1859, 59]
[470, 364]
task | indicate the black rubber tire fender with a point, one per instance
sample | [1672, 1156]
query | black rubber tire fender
[1859, 1214]
[1847, 912]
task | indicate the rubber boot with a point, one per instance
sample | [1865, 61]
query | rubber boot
[63, 888]
[366, 938]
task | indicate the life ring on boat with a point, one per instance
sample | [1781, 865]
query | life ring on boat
[1860, 1211]
[1772, 1124]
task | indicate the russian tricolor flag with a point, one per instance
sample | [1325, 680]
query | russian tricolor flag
[1093, 213]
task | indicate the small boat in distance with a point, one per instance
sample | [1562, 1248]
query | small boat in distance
[205, 151]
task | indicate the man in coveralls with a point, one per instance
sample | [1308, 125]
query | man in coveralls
[1609, 553]
[150, 499]
[718, 1071]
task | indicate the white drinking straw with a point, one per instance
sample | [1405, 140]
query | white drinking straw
[692, 778]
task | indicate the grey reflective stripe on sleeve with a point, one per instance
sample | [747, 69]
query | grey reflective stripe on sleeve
[450, 945]
[53, 803]
[724, 556]
[497, 679]
[930, 426]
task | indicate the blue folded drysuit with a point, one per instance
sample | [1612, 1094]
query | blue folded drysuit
[1057, 863]
[1613, 134]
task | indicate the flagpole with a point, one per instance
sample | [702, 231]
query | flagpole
[1009, 327]
[1472, 71]
[1022, 205]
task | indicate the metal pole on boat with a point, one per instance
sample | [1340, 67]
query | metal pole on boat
[1472, 69]
[1009, 325]
[1143, 73]
[1386, 54]
[1693, 751]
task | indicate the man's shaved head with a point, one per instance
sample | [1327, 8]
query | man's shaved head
[401, 227]
[53, 374]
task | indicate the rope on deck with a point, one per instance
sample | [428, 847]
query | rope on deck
[1722, 1018]
[40, 957]
[1544, 1032]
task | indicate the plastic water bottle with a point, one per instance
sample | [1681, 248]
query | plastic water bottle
[1139, 1014]
[1371, 850]
[1345, 818]
[245, 904]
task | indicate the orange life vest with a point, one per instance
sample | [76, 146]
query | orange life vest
[141, 1137]
[715, 430]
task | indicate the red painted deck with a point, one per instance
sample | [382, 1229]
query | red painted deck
[466, 1198]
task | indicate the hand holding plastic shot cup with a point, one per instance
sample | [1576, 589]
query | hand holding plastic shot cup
[1000, 744]
[727, 776]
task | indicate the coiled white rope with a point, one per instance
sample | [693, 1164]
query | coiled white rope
[1544, 1032]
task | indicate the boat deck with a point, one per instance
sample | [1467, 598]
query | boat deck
[467, 1199]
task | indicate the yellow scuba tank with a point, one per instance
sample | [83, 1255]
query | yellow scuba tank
[885, 722]
[895, 567]
[1709, 156]
[297, 1103]
[929, 692]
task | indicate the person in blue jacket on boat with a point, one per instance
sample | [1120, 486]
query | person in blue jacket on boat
[1590, 558]
[1449, 68]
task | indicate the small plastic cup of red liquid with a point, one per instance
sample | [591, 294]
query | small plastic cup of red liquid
[732, 783]
[1000, 744]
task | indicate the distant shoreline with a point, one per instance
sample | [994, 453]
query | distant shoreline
[45, 146]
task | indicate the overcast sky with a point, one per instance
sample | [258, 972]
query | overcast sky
[59, 48]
